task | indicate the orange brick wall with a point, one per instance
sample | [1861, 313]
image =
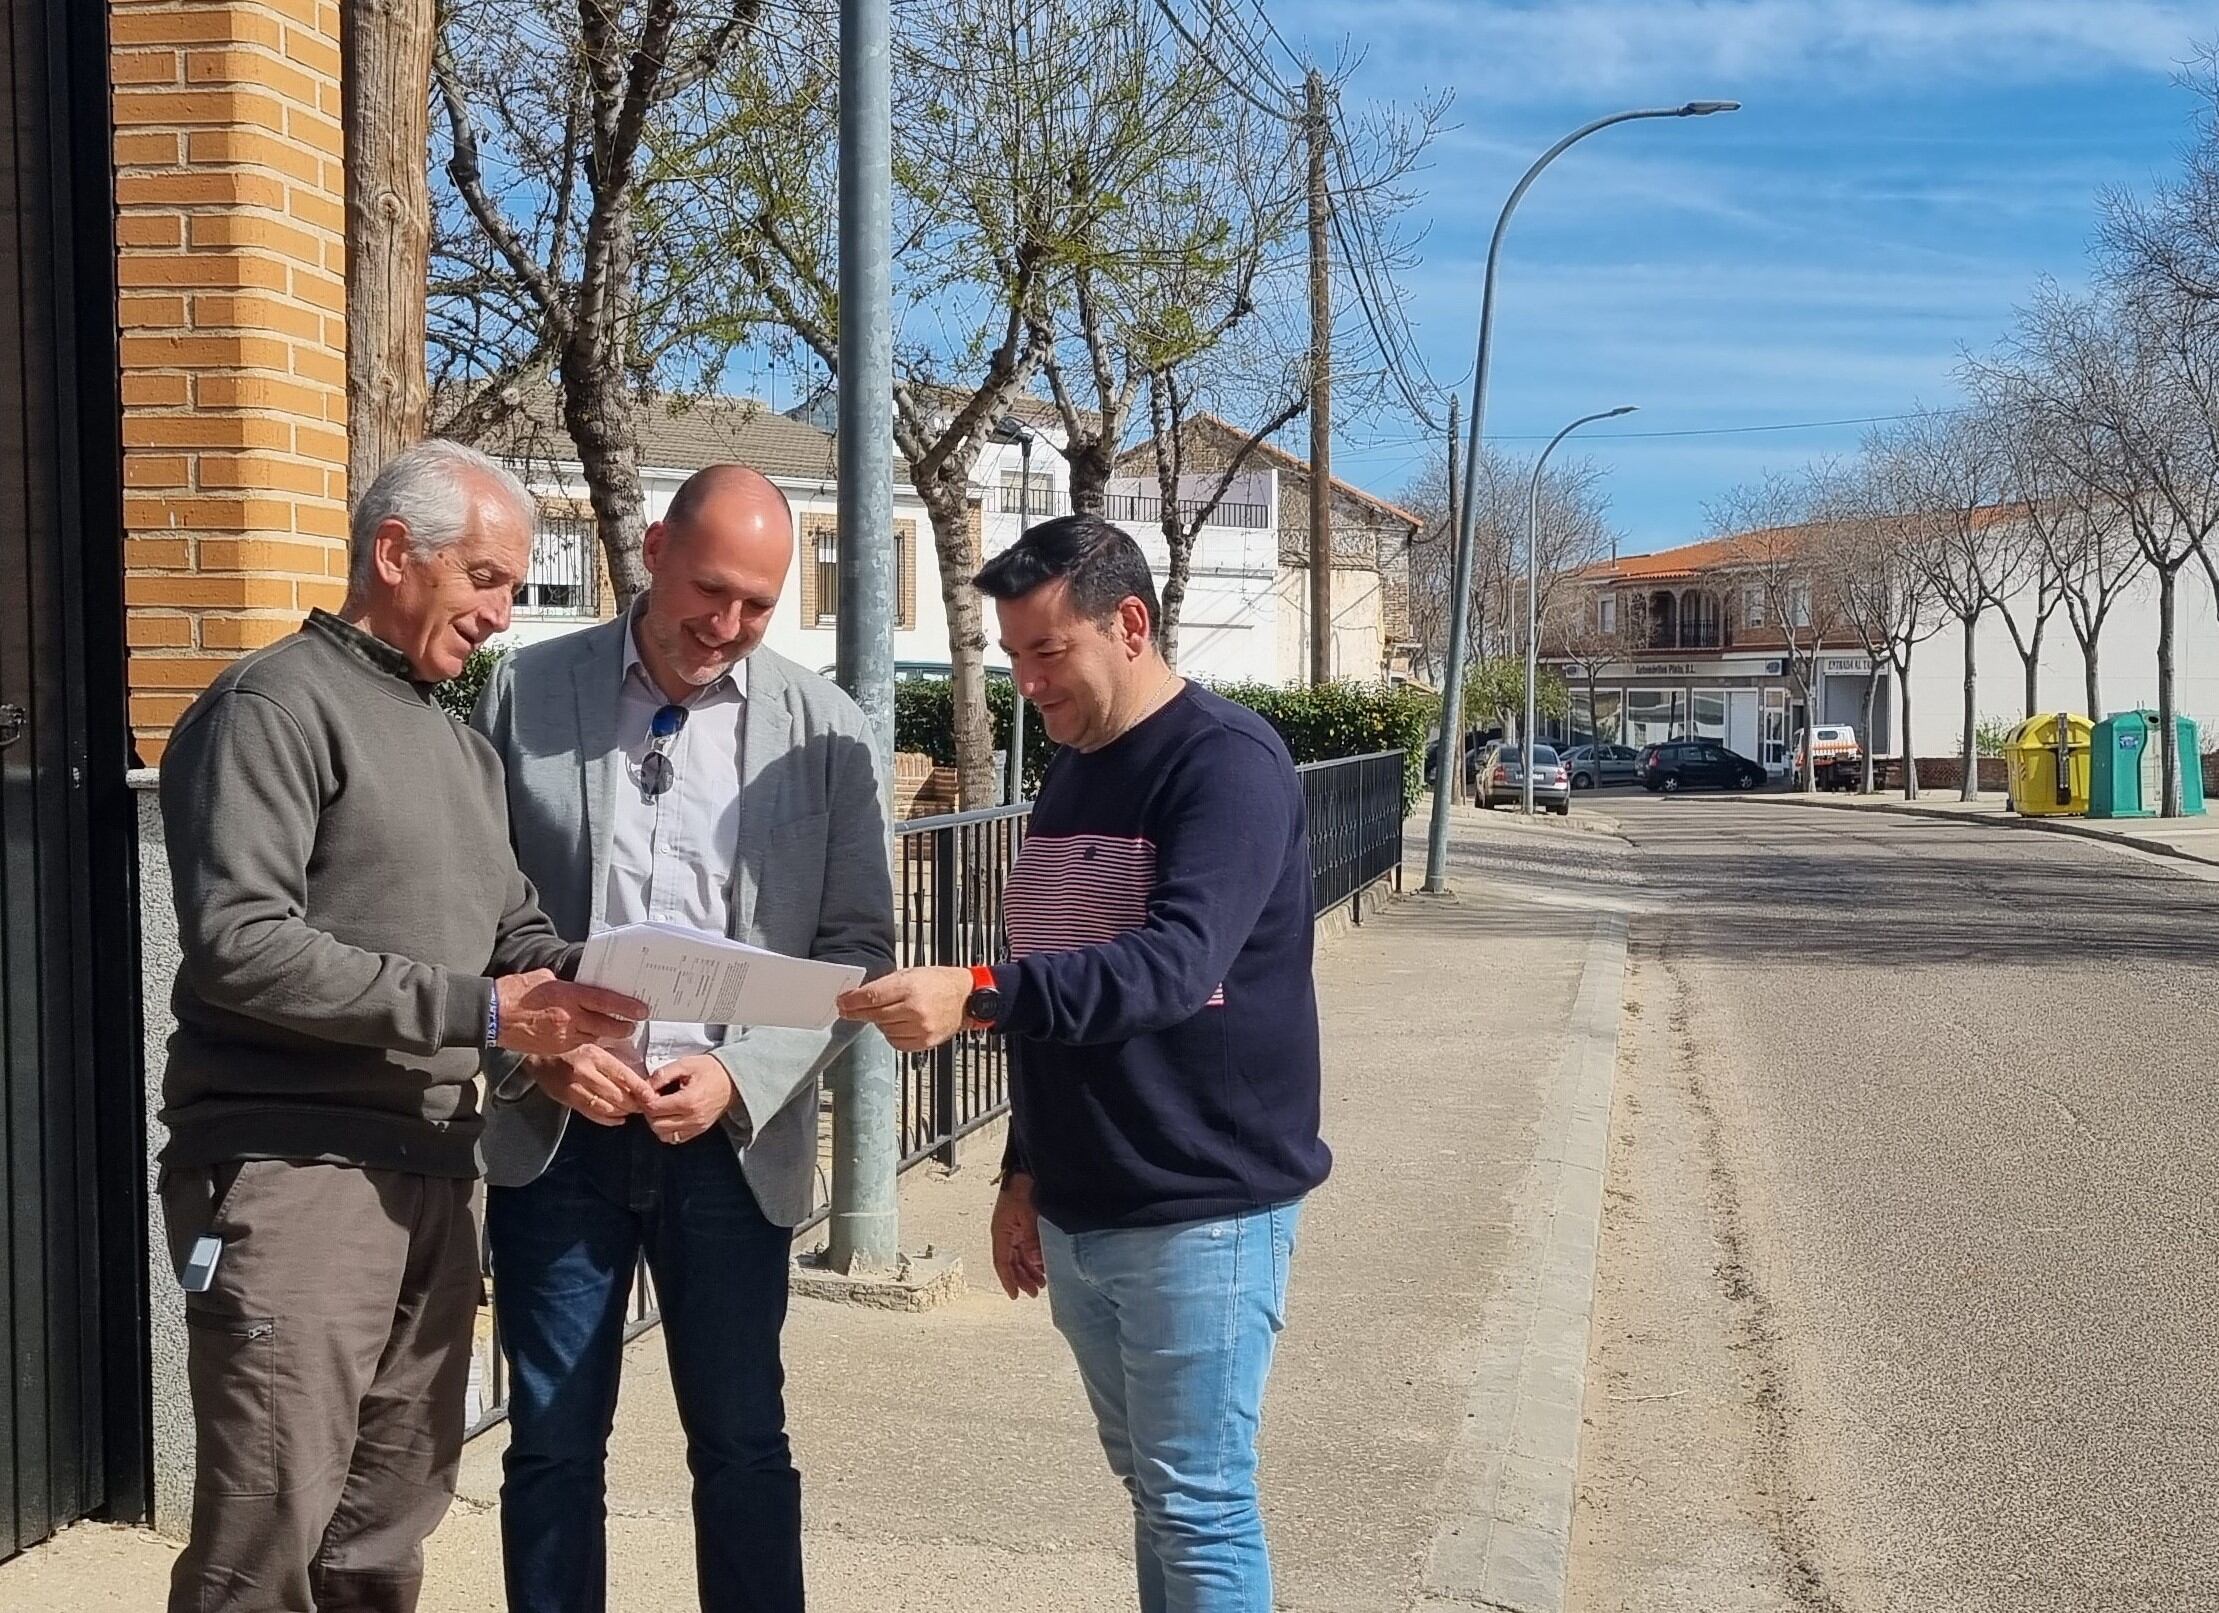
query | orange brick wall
[231, 221]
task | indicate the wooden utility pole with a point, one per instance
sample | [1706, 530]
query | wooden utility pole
[1316, 132]
[385, 75]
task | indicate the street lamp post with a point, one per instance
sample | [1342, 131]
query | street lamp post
[1533, 594]
[1460, 586]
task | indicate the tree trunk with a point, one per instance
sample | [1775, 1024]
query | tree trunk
[1872, 702]
[2167, 584]
[2090, 670]
[2034, 668]
[1090, 473]
[1903, 740]
[1180, 545]
[386, 101]
[1968, 788]
[1810, 737]
[949, 508]
[600, 412]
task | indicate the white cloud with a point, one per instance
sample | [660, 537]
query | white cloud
[1502, 51]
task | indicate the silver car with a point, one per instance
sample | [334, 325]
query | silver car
[1502, 779]
[1593, 765]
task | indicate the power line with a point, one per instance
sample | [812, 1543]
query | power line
[1737, 431]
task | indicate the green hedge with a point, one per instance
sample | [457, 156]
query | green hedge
[924, 722]
[460, 693]
[1332, 720]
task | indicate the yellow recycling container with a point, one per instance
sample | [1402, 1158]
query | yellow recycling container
[2047, 757]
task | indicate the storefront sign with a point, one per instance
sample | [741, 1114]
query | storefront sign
[1847, 666]
[1668, 669]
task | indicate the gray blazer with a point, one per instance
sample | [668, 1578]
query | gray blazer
[811, 878]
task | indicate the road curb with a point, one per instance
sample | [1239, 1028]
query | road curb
[1506, 1531]
[2056, 826]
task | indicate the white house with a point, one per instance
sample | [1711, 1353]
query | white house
[1247, 603]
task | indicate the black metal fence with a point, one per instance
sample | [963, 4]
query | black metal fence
[949, 875]
[1356, 808]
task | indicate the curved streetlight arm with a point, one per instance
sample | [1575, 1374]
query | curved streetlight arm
[1533, 600]
[1449, 748]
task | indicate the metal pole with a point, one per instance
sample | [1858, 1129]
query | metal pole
[1533, 596]
[1443, 776]
[865, 1236]
[1460, 584]
[1321, 391]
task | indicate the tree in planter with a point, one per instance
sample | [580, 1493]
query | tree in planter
[561, 255]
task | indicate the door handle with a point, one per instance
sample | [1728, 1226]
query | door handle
[13, 720]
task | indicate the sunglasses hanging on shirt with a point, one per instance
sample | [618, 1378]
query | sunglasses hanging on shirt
[657, 771]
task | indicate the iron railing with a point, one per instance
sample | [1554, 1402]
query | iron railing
[949, 875]
[1147, 508]
[1356, 806]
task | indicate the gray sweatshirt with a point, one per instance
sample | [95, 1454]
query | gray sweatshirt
[345, 888]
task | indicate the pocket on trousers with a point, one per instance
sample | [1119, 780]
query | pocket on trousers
[231, 1367]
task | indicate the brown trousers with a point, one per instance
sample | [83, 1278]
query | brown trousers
[328, 1365]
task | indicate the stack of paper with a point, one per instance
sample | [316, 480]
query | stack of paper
[694, 977]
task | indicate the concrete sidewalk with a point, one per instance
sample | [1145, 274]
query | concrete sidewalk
[2193, 840]
[1421, 1436]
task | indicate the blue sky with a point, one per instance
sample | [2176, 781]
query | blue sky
[1902, 174]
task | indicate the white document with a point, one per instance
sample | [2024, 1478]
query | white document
[693, 977]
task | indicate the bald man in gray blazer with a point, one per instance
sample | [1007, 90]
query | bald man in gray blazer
[664, 767]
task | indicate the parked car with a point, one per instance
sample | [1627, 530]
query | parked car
[1840, 757]
[1502, 779]
[1476, 741]
[1595, 765]
[1689, 764]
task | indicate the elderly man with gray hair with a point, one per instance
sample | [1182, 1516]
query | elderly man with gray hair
[355, 931]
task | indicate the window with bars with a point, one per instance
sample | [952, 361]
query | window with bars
[565, 574]
[820, 572]
[1036, 497]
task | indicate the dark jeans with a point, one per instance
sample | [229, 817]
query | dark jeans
[564, 1250]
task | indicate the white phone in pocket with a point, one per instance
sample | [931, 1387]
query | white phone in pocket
[199, 1274]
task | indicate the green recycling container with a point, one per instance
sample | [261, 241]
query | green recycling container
[2126, 767]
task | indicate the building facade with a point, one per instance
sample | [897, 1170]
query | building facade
[1683, 642]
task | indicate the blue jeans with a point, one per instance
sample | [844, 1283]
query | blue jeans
[564, 1251]
[1173, 1330]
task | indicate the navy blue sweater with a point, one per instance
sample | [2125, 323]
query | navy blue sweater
[1159, 1004]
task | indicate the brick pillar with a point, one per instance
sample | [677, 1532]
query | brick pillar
[231, 220]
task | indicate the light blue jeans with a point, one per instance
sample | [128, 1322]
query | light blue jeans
[1173, 1329]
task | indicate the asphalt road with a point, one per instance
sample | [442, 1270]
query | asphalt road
[1909, 1264]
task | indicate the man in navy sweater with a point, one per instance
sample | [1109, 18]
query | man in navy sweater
[1162, 1022]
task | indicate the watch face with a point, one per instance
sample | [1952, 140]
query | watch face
[985, 1006]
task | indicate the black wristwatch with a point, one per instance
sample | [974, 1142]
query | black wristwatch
[982, 1010]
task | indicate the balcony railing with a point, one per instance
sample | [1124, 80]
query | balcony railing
[1147, 509]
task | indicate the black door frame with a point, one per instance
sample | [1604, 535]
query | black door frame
[62, 415]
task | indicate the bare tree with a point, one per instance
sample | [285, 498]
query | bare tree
[2088, 557]
[1947, 476]
[558, 254]
[2169, 242]
[1777, 555]
[385, 101]
[1159, 282]
[2134, 377]
[1877, 587]
[1181, 518]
